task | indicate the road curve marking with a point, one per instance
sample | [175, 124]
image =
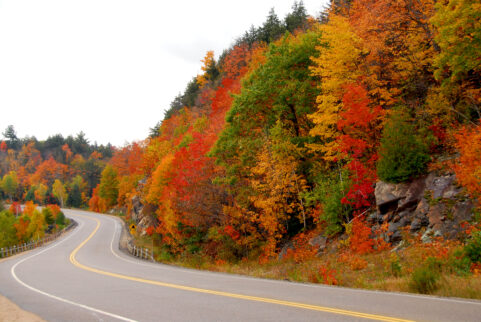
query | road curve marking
[74, 261]
[86, 307]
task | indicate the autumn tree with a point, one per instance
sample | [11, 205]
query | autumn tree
[59, 191]
[49, 171]
[468, 165]
[280, 89]
[37, 225]
[209, 68]
[37, 193]
[277, 185]
[10, 184]
[360, 125]
[21, 227]
[30, 157]
[8, 235]
[458, 64]
[68, 152]
[109, 186]
[336, 63]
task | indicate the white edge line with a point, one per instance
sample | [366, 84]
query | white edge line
[86, 307]
[191, 271]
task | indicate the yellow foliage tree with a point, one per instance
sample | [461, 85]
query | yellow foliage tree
[208, 63]
[36, 227]
[277, 187]
[337, 64]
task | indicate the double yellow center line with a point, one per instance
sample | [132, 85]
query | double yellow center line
[74, 261]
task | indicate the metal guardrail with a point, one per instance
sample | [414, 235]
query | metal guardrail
[129, 247]
[17, 249]
[142, 253]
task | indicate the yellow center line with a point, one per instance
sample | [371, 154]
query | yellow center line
[74, 261]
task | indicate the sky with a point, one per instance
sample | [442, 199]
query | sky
[110, 68]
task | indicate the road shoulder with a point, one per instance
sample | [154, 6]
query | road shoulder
[10, 312]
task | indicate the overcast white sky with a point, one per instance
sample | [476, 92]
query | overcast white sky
[111, 67]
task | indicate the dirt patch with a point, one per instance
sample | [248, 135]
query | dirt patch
[10, 312]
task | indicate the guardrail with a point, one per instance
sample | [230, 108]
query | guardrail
[142, 253]
[128, 246]
[17, 249]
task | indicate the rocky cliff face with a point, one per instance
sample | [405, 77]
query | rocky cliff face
[433, 201]
[143, 215]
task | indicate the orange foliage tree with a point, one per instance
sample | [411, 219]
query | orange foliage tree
[468, 165]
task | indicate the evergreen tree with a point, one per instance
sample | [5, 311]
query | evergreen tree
[272, 28]
[297, 18]
[403, 154]
[11, 138]
[75, 196]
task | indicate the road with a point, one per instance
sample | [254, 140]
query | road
[84, 277]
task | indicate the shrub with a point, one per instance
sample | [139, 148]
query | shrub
[47, 213]
[324, 275]
[425, 279]
[396, 268]
[403, 154]
[60, 219]
[357, 263]
[473, 247]
[460, 263]
[329, 192]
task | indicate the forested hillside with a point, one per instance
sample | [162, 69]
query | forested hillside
[284, 136]
[291, 127]
[39, 171]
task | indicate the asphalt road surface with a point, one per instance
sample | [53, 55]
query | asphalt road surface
[84, 277]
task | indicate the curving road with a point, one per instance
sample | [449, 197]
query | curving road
[84, 277]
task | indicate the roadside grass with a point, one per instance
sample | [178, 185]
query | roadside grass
[436, 268]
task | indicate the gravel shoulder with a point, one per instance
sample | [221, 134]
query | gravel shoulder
[10, 312]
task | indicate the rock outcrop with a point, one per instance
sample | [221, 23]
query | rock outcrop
[434, 201]
[142, 214]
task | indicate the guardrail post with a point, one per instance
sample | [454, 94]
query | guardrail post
[1, 252]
